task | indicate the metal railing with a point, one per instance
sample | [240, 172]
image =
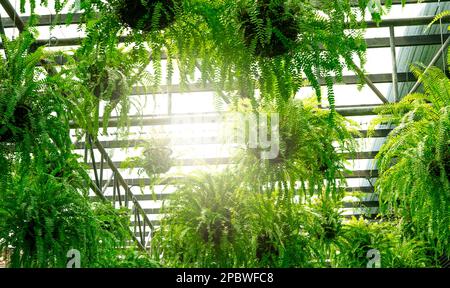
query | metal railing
[141, 227]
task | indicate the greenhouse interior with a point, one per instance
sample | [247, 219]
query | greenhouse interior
[224, 134]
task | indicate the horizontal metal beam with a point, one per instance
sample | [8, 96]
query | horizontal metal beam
[62, 19]
[358, 204]
[379, 78]
[401, 22]
[117, 144]
[47, 20]
[381, 42]
[164, 196]
[226, 161]
[198, 87]
[208, 118]
[406, 41]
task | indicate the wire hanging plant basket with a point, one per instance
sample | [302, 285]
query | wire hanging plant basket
[146, 15]
[270, 26]
[109, 84]
[437, 166]
[157, 159]
[17, 124]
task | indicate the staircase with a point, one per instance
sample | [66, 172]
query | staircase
[122, 196]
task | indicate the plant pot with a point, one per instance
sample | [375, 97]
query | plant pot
[212, 233]
[435, 170]
[218, 229]
[265, 249]
[21, 119]
[281, 21]
[280, 159]
[330, 231]
[157, 160]
[102, 89]
[138, 14]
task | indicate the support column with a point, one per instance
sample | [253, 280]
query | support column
[394, 63]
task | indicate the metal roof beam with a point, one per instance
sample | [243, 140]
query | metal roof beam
[9, 9]
[436, 57]
[382, 42]
[49, 19]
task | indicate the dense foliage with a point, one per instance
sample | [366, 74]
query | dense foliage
[236, 45]
[310, 149]
[277, 212]
[44, 208]
[214, 222]
[414, 167]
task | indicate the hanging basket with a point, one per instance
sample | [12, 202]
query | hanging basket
[21, 120]
[434, 167]
[266, 247]
[284, 29]
[157, 160]
[220, 229]
[111, 86]
[138, 14]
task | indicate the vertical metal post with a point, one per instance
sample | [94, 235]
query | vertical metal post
[2, 29]
[94, 165]
[86, 149]
[169, 102]
[118, 192]
[394, 63]
[101, 170]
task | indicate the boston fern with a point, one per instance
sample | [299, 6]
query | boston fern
[311, 153]
[43, 216]
[216, 220]
[238, 46]
[42, 219]
[33, 114]
[414, 163]
[99, 82]
[200, 229]
[44, 209]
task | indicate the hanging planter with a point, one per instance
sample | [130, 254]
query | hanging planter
[110, 84]
[139, 14]
[434, 168]
[219, 228]
[157, 160]
[266, 248]
[21, 120]
[274, 20]
[330, 228]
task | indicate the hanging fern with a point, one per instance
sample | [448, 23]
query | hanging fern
[414, 181]
[307, 160]
[230, 41]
